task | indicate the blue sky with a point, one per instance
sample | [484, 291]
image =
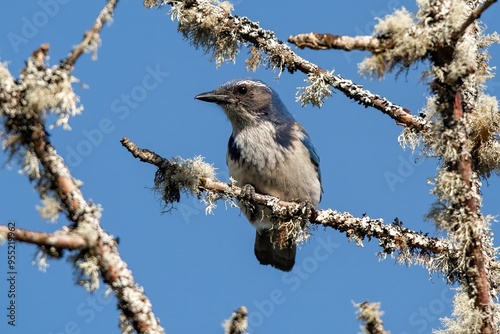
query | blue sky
[198, 268]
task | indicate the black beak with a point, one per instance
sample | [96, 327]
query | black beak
[213, 97]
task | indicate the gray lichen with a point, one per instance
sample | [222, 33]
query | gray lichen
[182, 175]
[48, 89]
[371, 316]
[39, 90]
[316, 91]
[465, 318]
[49, 209]
[200, 23]
[484, 125]
[407, 44]
[87, 271]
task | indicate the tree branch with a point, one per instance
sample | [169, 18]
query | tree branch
[474, 15]
[317, 41]
[458, 98]
[370, 314]
[27, 136]
[61, 239]
[238, 322]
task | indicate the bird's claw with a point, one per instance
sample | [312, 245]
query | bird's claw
[307, 208]
[248, 192]
[248, 196]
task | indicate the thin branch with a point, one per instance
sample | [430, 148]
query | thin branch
[62, 240]
[91, 37]
[370, 314]
[40, 54]
[474, 15]
[317, 41]
[131, 298]
[392, 237]
[280, 55]
[144, 155]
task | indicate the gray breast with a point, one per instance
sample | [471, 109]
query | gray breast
[279, 168]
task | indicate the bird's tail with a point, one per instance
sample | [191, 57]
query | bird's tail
[269, 254]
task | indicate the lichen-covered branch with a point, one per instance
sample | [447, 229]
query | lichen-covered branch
[24, 103]
[456, 112]
[393, 238]
[59, 240]
[462, 130]
[317, 41]
[214, 29]
[370, 315]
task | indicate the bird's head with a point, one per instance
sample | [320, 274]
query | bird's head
[248, 102]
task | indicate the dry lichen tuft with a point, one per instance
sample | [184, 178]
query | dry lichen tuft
[200, 23]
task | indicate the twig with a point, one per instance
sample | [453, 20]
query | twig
[91, 36]
[40, 54]
[474, 15]
[370, 314]
[317, 41]
[61, 239]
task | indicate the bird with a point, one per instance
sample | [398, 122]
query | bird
[268, 153]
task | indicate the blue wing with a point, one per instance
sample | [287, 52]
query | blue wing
[312, 152]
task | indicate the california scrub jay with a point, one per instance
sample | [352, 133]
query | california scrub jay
[268, 153]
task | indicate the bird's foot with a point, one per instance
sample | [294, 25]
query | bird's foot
[248, 196]
[248, 192]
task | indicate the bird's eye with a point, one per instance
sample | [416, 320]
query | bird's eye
[242, 90]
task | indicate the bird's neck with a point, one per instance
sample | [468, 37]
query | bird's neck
[258, 133]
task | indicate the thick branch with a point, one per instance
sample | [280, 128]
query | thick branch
[478, 271]
[317, 41]
[60, 240]
[132, 300]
